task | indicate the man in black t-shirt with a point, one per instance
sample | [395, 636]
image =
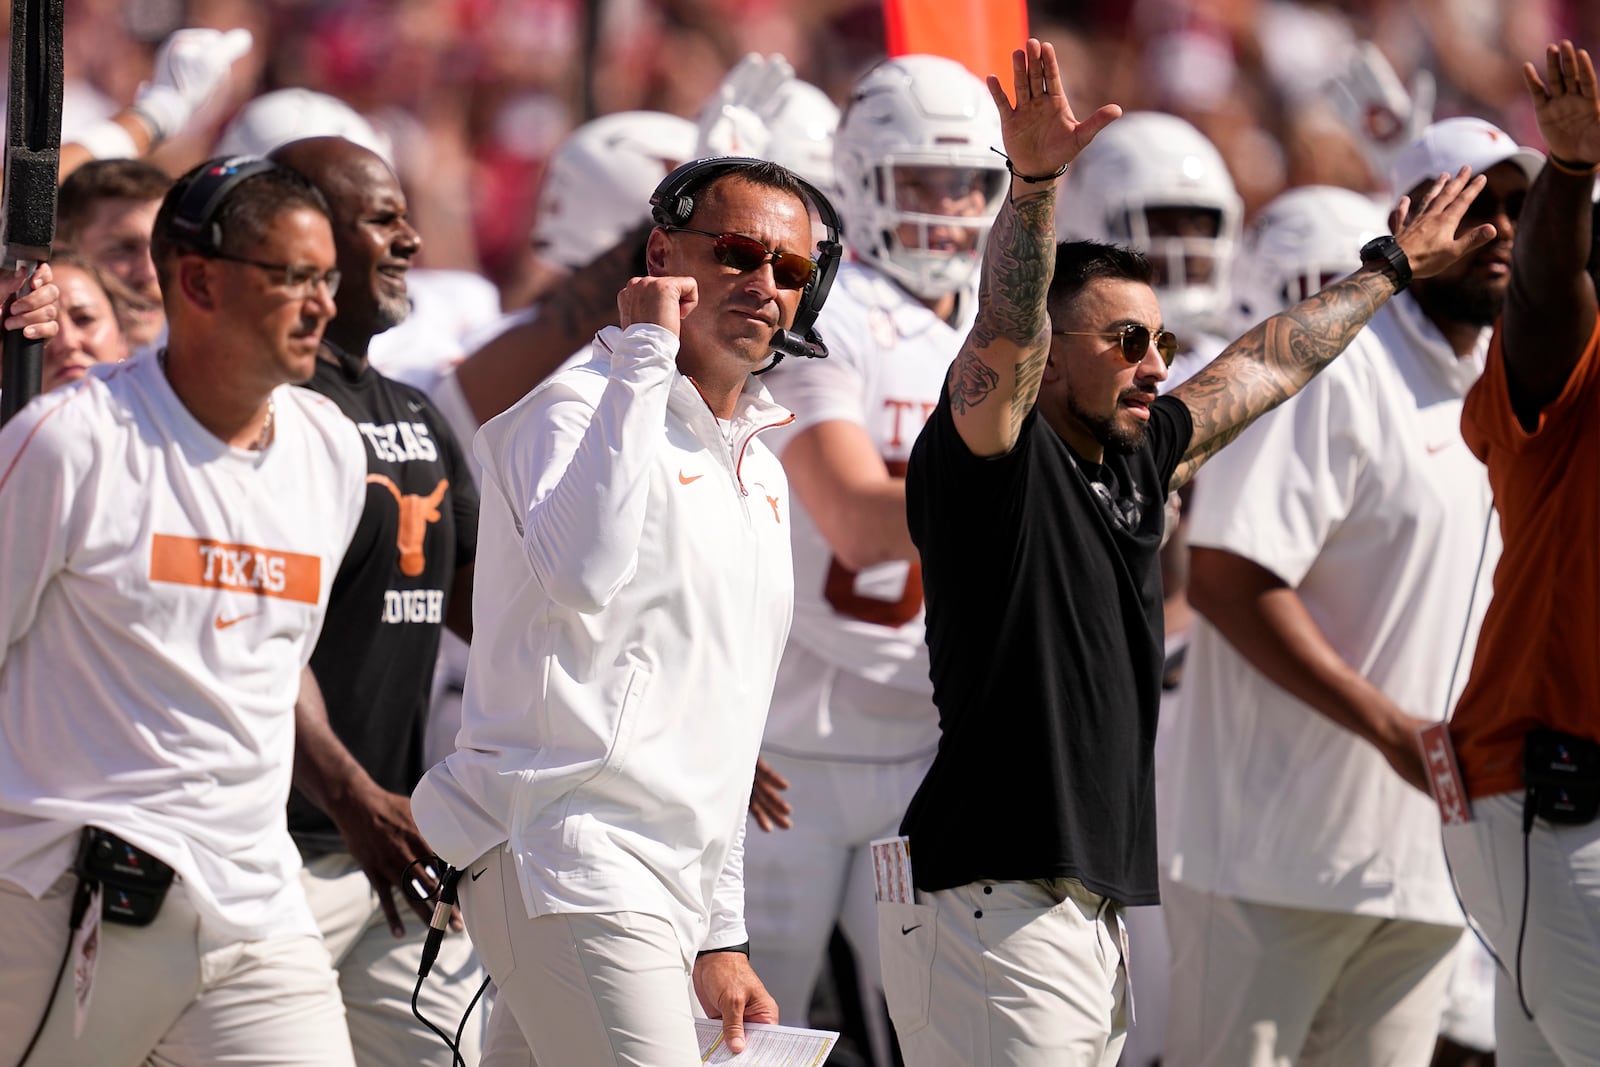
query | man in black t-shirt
[1034, 496]
[361, 718]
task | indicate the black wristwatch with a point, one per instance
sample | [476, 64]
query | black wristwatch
[1387, 250]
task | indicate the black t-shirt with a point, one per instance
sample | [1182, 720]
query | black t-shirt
[1045, 631]
[374, 660]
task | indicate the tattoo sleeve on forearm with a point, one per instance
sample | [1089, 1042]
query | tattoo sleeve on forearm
[1018, 263]
[1273, 362]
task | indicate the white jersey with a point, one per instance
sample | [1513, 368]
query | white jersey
[1362, 496]
[887, 359]
[162, 593]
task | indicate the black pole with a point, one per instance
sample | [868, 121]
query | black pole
[32, 163]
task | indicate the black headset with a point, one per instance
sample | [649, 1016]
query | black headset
[673, 203]
[194, 219]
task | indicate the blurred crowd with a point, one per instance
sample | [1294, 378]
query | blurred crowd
[474, 95]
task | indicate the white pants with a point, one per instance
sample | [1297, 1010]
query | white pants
[1006, 974]
[1561, 946]
[171, 994]
[1150, 963]
[579, 989]
[799, 882]
[1270, 986]
[377, 971]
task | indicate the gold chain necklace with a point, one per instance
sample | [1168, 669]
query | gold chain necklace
[265, 437]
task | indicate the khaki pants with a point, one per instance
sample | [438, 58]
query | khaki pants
[576, 990]
[378, 972]
[170, 994]
[1265, 986]
[1006, 974]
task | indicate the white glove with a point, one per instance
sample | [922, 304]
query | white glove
[1384, 116]
[733, 120]
[189, 68]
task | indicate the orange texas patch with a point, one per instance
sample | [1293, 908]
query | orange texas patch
[238, 568]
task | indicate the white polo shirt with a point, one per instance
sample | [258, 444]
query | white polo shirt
[1361, 495]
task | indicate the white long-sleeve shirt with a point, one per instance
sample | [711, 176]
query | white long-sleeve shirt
[161, 593]
[634, 591]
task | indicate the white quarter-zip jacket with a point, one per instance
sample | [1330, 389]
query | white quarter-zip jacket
[633, 595]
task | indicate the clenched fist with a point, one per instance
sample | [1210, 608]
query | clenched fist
[662, 301]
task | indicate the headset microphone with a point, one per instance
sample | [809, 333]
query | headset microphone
[673, 203]
[789, 343]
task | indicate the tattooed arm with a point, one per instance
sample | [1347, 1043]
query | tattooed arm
[1276, 359]
[569, 314]
[995, 378]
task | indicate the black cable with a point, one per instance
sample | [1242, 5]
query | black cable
[1529, 807]
[442, 908]
[473, 1003]
[455, 1050]
[80, 905]
[1444, 715]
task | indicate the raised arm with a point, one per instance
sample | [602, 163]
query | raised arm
[1550, 307]
[1276, 359]
[995, 378]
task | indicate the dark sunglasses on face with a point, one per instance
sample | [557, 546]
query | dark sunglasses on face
[789, 269]
[1486, 206]
[1134, 341]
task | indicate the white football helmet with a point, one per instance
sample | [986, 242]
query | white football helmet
[285, 115]
[802, 132]
[1148, 162]
[597, 184]
[918, 123]
[1301, 241]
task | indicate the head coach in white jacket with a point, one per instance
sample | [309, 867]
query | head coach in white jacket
[634, 593]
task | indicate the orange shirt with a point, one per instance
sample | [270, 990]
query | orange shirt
[1538, 658]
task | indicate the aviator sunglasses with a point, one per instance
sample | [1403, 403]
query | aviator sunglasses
[1134, 341]
[789, 269]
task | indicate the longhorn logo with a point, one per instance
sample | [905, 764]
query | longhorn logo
[416, 512]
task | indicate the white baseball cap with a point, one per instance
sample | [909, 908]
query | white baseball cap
[1447, 146]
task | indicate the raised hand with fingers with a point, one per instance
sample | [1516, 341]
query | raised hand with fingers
[1427, 231]
[1567, 105]
[1041, 133]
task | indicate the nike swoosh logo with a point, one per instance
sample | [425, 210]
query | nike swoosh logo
[685, 479]
[414, 406]
[478, 874]
[223, 624]
[908, 929]
[1440, 447]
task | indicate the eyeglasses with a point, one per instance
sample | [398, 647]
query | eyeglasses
[1134, 340]
[298, 280]
[789, 269]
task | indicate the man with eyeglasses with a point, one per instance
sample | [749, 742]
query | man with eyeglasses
[852, 727]
[1341, 554]
[362, 716]
[633, 594]
[1035, 500]
[170, 530]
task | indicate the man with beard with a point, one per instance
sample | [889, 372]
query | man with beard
[1034, 495]
[362, 715]
[1340, 559]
